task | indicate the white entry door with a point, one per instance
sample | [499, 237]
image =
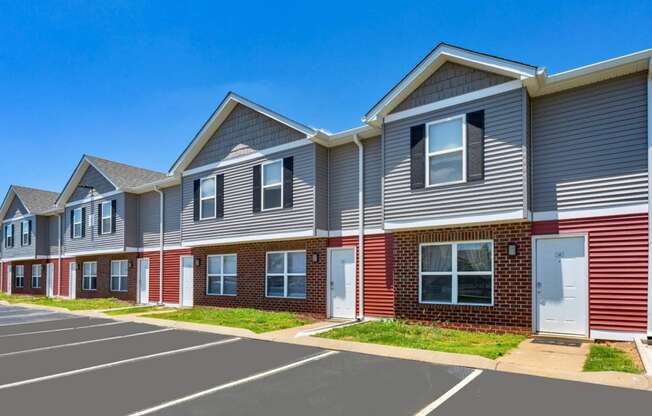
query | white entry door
[10, 278]
[143, 281]
[562, 285]
[342, 282]
[72, 280]
[186, 291]
[49, 279]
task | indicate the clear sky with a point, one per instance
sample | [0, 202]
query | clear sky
[133, 81]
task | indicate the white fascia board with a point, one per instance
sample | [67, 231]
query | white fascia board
[589, 212]
[21, 217]
[166, 182]
[348, 233]
[346, 136]
[251, 238]
[94, 198]
[157, 249]
[97, 252]
[600, 66]
[482, 218]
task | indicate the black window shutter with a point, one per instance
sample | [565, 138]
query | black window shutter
[418, 156]
[114, 216]
[83, 224]
[13, 235]
[196, 202]
[256, 189]
[99, 218]
[288, 180]
[219, 196]
[475, 145]
[29, 232]
[22, 224]
[72, 223]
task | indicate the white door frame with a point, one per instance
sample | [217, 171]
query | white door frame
[535, 299]
[329, 301]
[72, 280]
[138, 263]
[10, 278]
[49, 279]
[192, 263]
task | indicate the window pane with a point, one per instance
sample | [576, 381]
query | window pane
[297, 286]
[208, 188]
[445, 136]
[272, 173]
[214, 265]
[93, 282]
[474, 289]
[272, 197]
[230, 285]
[208, 208]
[474, 257]
[436, 288]
[106, 210]
[230, 265]
[115, 283]
[115, 268]
[106, 225]
[124, 265]
[87, 268]
[297, 262]
[214, 285]
[436, 258]
[77, 215]
[275, 263]
[77, 230]
[445, 168]
[274, 285]
[123, 283]
[93, 269]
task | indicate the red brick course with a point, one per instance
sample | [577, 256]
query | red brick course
[251, 277]
[104, 276]
[27, 288]
[512, 309]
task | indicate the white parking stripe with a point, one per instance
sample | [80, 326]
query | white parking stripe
[231, 384]
[47, 331]
[23, 315]
[115, 363]
[40, 319]
[91, 341]
[450, 393]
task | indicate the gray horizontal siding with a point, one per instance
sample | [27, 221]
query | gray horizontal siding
[321, 188]
[133, 237]
[42, 236]
[16, 209]
[244, 131]
[502, 187]
[92, 241]
[17, 250]
[91, 178]
[53, 235]
[149, 218]
[590, 146]
[239, 220]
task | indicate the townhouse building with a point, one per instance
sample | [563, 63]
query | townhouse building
[479, 193]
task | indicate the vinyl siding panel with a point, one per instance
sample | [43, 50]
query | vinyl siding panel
[149, 217]
[590, 146]
[18, 251]
[42, 238]
[132, 221]
[16, 209]
[502, 188]
[92, 177]
[239, 220]
[171, 274]
[53, 235]
[321, 187]
[92, 241]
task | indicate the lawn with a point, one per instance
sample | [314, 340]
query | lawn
[426, 337]
[606, 358]
[252, 319]
[137, 309]
[70, 304]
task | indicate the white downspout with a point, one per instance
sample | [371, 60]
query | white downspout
[59, 254]
[649, 193]
[161, 238]
[360, 222]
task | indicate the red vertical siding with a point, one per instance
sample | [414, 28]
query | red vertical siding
[171, 269]
[5, 269]
[378, 272]
[618, 268]
[65, 276]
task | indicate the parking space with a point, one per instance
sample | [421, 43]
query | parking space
[12, 315]
[80, 366]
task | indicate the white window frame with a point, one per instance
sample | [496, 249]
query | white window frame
[24, 236]
[214, 198]
[285, 273]
[454, 273]
[38, 275]
[119, 276]
[9, 235]
[80, 223]
[84, 275]
[103, 217]
[221, 275]
[20, 274]
[263, 186]
[447, 151]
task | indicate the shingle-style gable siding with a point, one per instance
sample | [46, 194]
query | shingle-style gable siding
[149, 218]
[244, 131]
[91, 178]
[590, 146]
[16, 209]
[450, 80]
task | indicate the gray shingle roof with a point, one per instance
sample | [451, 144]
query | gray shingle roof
[36, 201]
[125, 176]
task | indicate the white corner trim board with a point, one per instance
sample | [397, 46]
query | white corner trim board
[250, 238]
[649, 192]
[589, 212]
[482, 218]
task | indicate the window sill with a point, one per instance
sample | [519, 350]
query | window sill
[483, 305]
[285, 297]
[89, 290]
[119, 291]
[231, 295]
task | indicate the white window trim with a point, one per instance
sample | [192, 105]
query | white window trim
[80, 222]
[443, 152]
[119, 276]
[9, 234]
[454, 273]
[285, 274]
[24, 236]
[110, 217]
[90, 275]
[263, 186]
[214, 198]
[221, 275]
[39, 275]
[20, 276]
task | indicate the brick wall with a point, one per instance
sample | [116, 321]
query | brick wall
[104, 276]
[251, 277]
[512, 309]
[28, 289]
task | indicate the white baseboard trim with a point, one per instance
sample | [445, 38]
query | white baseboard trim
[616, 335]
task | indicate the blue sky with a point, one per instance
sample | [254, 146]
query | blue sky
[134, 80]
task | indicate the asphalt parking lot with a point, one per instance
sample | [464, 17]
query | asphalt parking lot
[59, 364]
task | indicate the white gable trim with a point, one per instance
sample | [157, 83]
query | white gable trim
[8, 200]
[74, 180]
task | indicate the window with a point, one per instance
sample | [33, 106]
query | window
[446, 154]
[20, 276]
[119, 275]
[89, 281]
[207, 198]
[272, 184]
[222, 275]
[107, 220]
[77, 223]
[286, 274]
[9, 235]
[36, 276]
[458, 273]
[24, 236]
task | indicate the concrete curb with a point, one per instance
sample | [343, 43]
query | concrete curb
[645, 352]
